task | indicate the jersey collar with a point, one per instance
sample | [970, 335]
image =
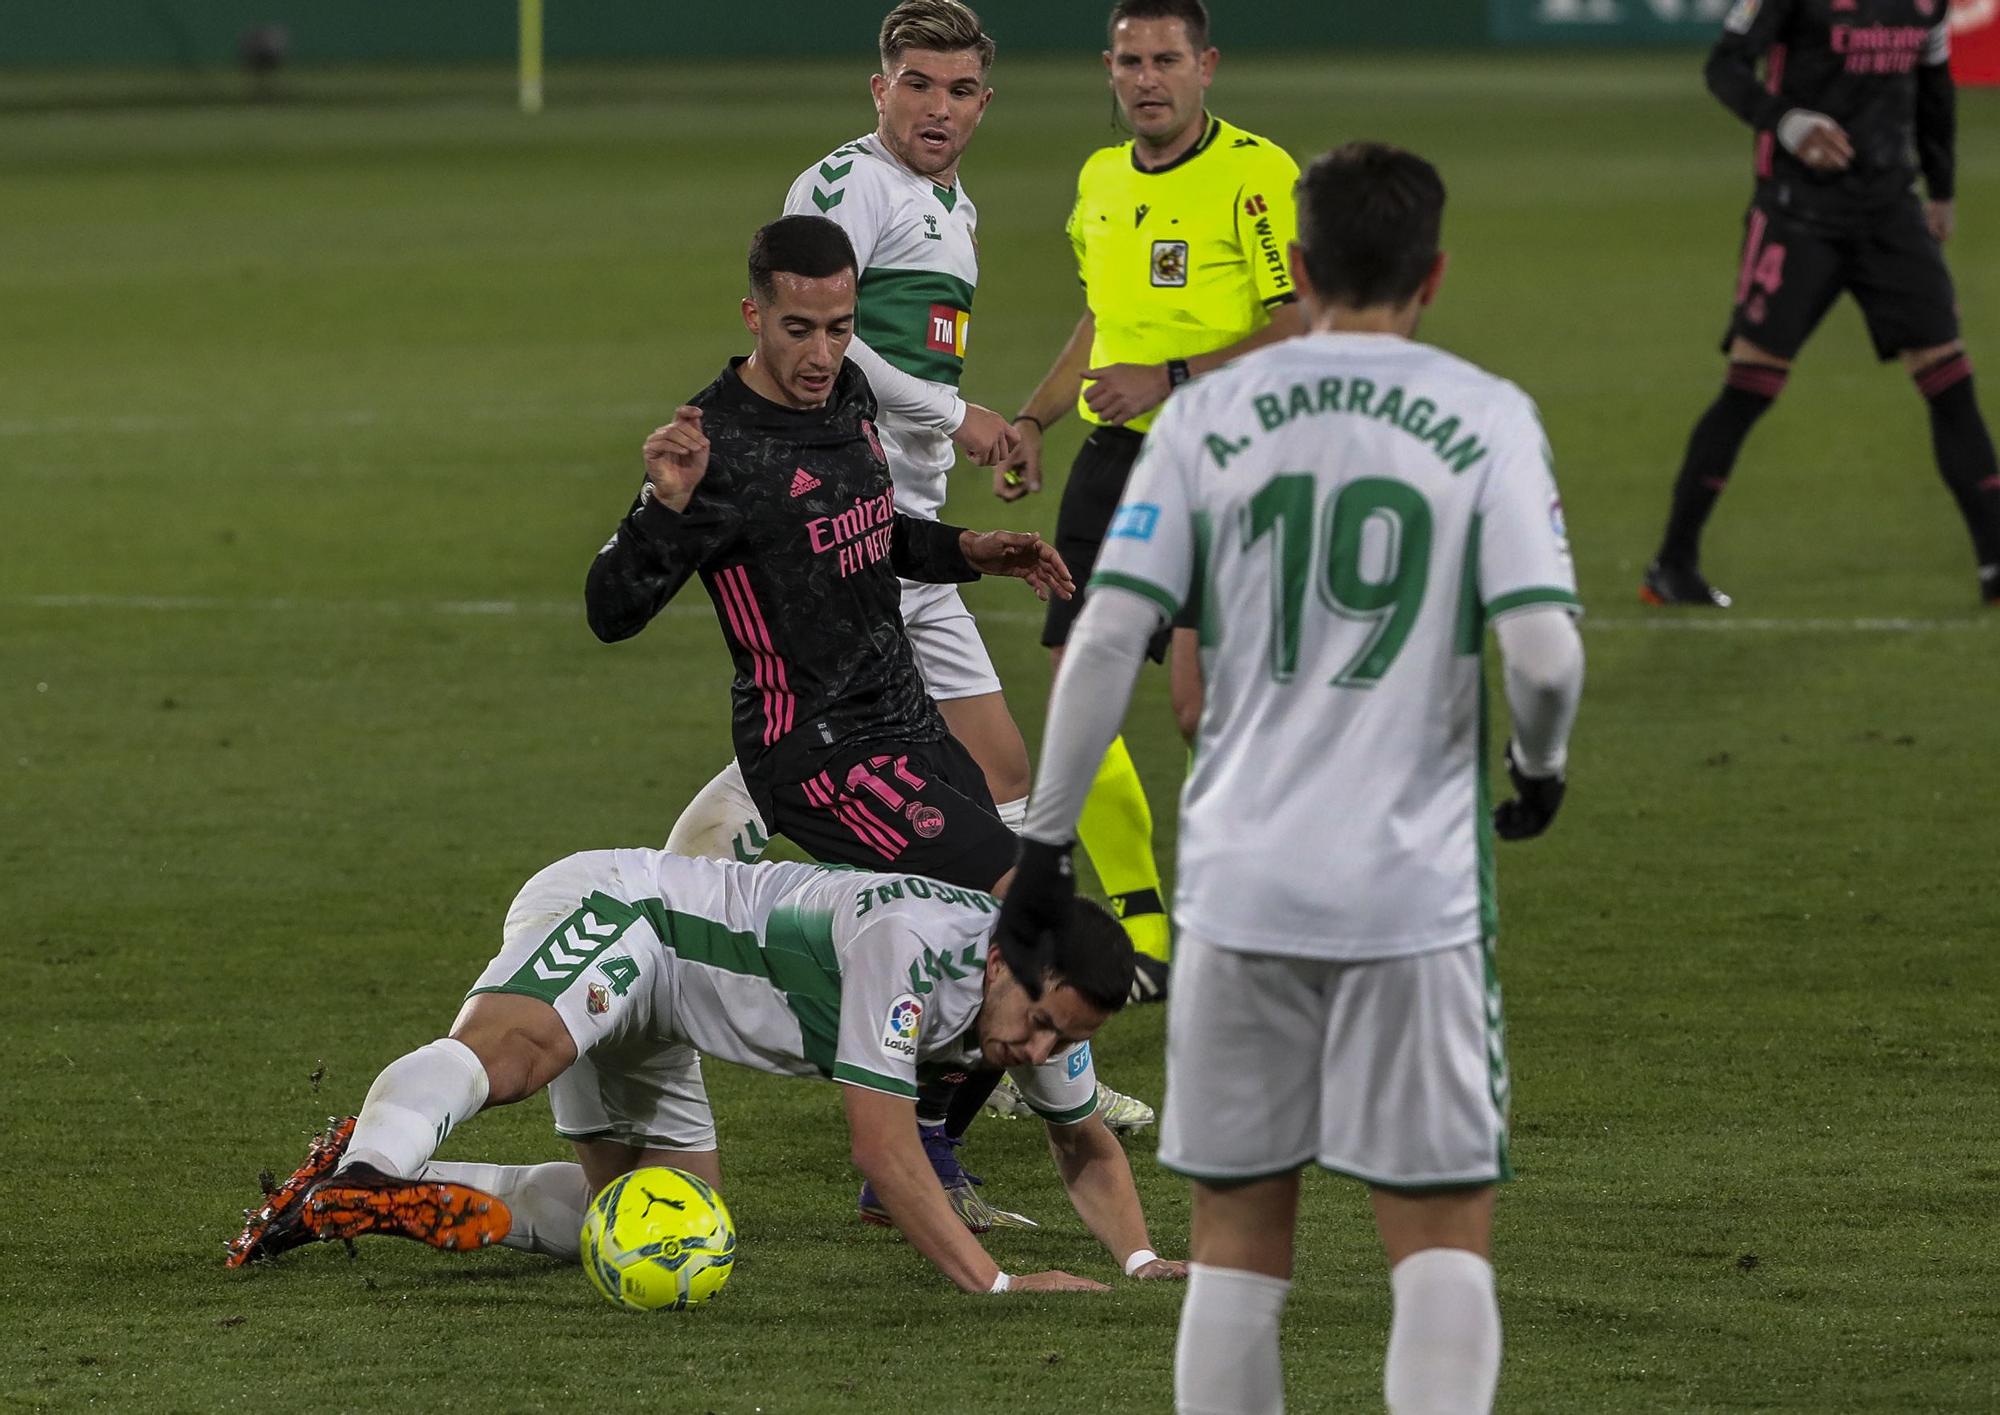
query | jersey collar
[947, 197]
[1208, 137]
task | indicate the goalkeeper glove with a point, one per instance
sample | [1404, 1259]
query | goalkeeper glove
[1037, 907]
[1536, 801]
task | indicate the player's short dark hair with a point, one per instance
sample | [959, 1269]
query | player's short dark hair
[1191, 13]
[1094, 956]
[811, 246]
[940, 26]
[1369, 217]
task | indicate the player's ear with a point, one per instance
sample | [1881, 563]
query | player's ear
[878, 86]
[752, 317]
[1295, 259]
[1428, 291]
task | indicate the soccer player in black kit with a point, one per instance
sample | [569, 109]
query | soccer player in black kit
[771, 486]
[1850, 90]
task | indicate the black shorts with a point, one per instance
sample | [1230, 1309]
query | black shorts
[1090, 497]
[1792, 271]
[916, 807]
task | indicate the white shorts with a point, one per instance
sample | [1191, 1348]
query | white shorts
[1391, 1071]
[950, 653]
[601, 966]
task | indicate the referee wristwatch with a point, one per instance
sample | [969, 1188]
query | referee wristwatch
[1177, 373]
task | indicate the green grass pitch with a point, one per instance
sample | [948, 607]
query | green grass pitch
[314, 413]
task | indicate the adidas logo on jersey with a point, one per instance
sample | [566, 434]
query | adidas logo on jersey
[803, 481]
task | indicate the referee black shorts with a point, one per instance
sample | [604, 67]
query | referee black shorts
[1090, 497]
[1793, 270]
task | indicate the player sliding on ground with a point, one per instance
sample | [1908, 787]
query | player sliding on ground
[1348, 512]
[620, 968]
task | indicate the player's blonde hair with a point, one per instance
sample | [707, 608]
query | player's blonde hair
[941, 26]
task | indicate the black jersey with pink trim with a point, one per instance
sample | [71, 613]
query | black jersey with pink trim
[794, 533]
[1879, 68]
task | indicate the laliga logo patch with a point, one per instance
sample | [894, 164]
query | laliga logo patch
[927, 821]
[1556, 522]
[597, 1000]
[1079, 1062]
[874, 442]
[899, 1033]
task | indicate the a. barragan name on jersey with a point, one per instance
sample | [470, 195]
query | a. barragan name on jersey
[1880, 49]
[1363, 398]
[859, 535]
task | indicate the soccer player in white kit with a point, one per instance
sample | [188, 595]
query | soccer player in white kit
[620, 969]
[1349, 511]
[896, 192]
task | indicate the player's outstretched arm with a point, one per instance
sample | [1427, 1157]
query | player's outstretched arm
[1099, 1179]
[882, 1136]
[1052, 399]
[1023, 555]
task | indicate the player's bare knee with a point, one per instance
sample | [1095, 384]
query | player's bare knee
[1742, 351]
[1917, 362]
[521, 1041]
[1443, 1218]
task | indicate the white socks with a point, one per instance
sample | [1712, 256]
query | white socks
[1226, 1361]
[1444, 1344]
[1013, 814]
[721, 822]
[547, 1200]
[414, 1104]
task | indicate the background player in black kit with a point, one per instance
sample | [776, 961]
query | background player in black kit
[1850, 89]
[771, 486]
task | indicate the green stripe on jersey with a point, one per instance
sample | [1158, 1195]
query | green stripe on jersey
[796, 958]
[1114, 580]
[599, 922]
[873, 1081]
[1068, 1117]
[916, 319]
[1521, 599]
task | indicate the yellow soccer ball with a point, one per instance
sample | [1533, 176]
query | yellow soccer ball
[658, 1238]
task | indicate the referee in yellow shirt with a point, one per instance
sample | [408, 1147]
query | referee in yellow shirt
[1180, 239]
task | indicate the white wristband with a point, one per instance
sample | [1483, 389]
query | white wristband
[1139, 1260]
[1001, 1282]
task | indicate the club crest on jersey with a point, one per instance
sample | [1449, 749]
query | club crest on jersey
[926, 821]
[899, 1031]
[946, 334]
[874, 442]
[1170, 264]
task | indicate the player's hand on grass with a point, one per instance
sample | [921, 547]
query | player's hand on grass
[1054, 1282]
[1942, 219]
[1022, 473]
[1119, 393]
[1162, 1270]
[1816, 140]
[1021, 554]
[677, 459]
[986, 437]
[1536, 801]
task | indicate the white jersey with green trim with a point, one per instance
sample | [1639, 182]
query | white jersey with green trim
[1348, 512]
[802, 970]
[919, 259]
